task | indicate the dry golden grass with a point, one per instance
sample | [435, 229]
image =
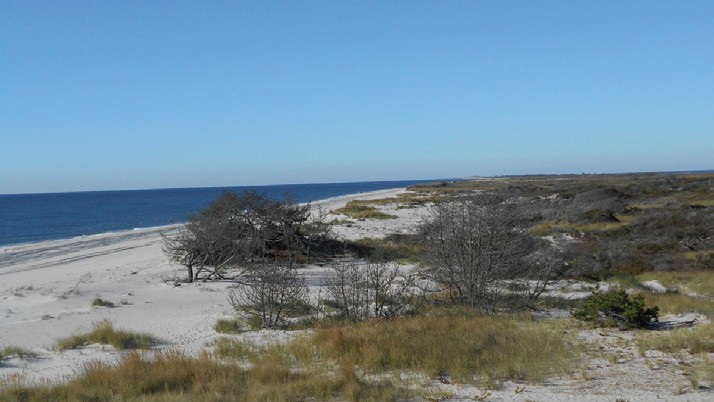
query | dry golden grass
[171, 376]
[550, 228]
[105, 333]
[700, 282]
[356, 210]
[699, 339]
[675, 303]
[464, 348]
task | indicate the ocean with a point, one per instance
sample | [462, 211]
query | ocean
[28, 218]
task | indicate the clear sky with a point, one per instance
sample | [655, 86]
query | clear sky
[145, 94]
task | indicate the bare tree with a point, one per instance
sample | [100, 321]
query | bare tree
[371, 290]
[473, 245]
[540, 268]
[269, 293]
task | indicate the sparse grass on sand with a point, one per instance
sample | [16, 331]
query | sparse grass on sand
[699, 339]
[676, 303]
[103, 332]
[361, 211]
[172, 376]
[14, 351]
[699, 282]
[463, 348]
[229, 326]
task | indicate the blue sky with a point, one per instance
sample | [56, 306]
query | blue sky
[119, 95]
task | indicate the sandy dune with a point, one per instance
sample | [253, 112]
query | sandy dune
[46, 291]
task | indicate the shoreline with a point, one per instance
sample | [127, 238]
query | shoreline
[9, 247]
[49, 253]
[47, 291]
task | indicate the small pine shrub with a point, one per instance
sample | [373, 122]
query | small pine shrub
[99, 302]
[616, 308]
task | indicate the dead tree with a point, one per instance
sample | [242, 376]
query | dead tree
[269, 293]
[368, 291]
[473, 245]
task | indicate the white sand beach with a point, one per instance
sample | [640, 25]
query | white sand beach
[47, 289]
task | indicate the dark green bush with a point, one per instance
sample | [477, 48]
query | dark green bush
[616, 308]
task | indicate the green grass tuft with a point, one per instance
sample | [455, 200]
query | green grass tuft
[103, 332]
[361, 211]
[229, 326]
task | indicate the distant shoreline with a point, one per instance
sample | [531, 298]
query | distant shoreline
[35, 218]
[10, 248]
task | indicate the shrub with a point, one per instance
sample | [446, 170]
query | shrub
[616, 308]
[270, 293]
[98, 302]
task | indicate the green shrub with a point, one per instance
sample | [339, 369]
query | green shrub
[616, 308]
[99, 302]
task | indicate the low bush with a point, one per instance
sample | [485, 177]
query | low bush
[98, 302]
[616, 308]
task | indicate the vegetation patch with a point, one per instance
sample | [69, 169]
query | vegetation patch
[677, 303]
[551, 228]
[699, 339]
[229, 326]
[361, 211]
[173, 376]
[490, 348]
[616, 308]
[105, 333]
[18, 352]
[401, 248]
[98, 302]
[699, 282]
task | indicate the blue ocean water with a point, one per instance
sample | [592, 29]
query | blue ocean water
[26, 218]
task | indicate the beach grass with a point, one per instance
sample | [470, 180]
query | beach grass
[15, 351]
[173, 376]
[700, 282]
[677, 303]
[699, 339]
[233, 326]
[103, 332]
[488, 349]
[391, 249]
[360, 211]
